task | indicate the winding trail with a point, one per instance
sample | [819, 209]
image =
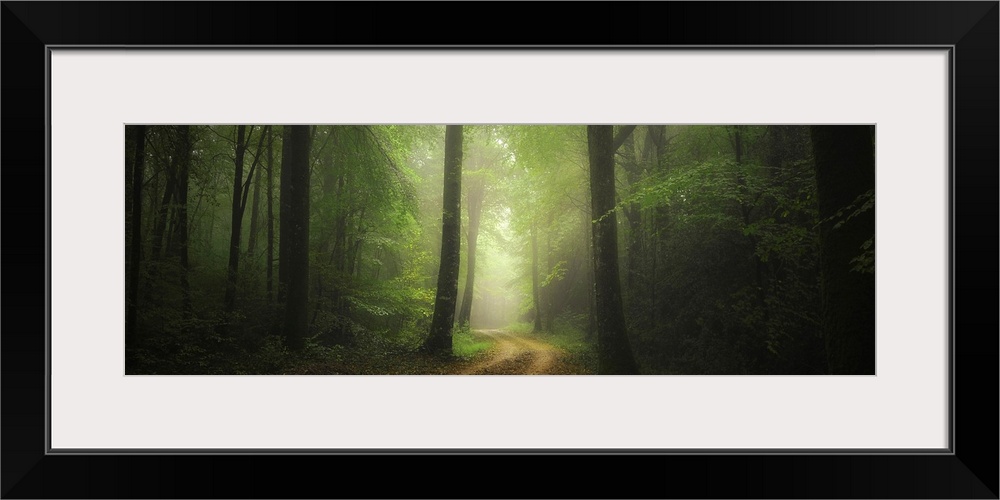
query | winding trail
[510, 354]
[514, 354]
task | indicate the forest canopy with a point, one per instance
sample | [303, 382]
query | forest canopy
[499, 249]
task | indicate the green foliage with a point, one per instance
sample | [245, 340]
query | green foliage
[865, 262]
[736, 244]
[555, 274]
[863, 203]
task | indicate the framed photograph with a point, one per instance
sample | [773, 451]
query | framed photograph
[158, 371]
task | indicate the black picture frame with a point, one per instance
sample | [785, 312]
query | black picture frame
[969, 470]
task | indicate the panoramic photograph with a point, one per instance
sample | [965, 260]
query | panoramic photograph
[476, 249]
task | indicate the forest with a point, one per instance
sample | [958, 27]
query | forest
[653, 249]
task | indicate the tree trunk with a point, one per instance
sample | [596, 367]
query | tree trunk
[439, 340]
[135, 251]
[270, 216]
[255, 212]
[633, 218]
[339, 255]
[293, 270]
[182, 218]
[236, 221]
[328, 169]
[241, 190]
[339, 260]
[845, 170]
[475, 197]
[636, 295]
[591, 306]
[534, 278]
[656, 140]
[160, 224]
[614, 351]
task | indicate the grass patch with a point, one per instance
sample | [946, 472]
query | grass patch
[465, 344]
[572, 341]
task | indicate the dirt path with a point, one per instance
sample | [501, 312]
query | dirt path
[511, 354]
[514, 354]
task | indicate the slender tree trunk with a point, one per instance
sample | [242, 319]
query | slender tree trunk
[633, 217]
[255, 214]
[657, 139]
[294, 234]
[439, 340]
[338, 258]
[845, 170]
[548, 285]
[135, 251]
[329, 167]
[614, 350]
[284, 212]
[536, 295]
[182, 217]
[591, 304]
[334, 243]
[160, 226]
[270, 215]
[236, 221]
[636, 295]
[475, 199]
[241, 190]
[353, 267]
[654, 224]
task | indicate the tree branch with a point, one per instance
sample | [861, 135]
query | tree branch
[623, 134]
[253, 166]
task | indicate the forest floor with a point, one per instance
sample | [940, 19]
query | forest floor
[510, 354]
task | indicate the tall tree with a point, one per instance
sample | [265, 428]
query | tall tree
[614, 350]
[241, 190]
[536, 296]
[474, 195]
[135, 251]
[439, 340]
[589, 281]
[845, 179]
[637, 267]
[293, 268]
[270, 215]
[236, 219]
[162, 214]
[255, 206]
[184, 147]
[653, 154]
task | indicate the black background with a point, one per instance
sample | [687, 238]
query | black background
[972, 472]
